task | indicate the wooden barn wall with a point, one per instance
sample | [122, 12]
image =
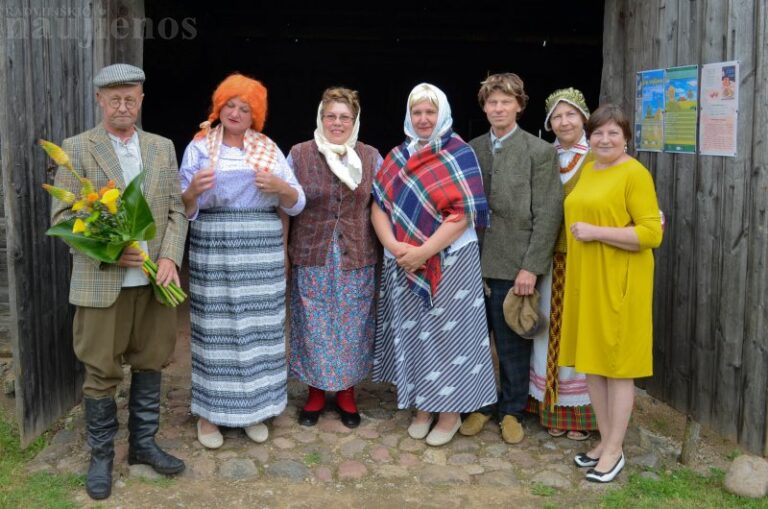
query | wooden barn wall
[711, 281]
[49, 51]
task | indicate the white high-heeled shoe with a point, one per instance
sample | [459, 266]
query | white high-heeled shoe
[603, 477]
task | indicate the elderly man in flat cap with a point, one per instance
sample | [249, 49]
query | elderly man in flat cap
[118, 319]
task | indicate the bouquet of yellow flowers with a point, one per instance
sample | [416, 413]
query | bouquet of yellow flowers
[104, 222]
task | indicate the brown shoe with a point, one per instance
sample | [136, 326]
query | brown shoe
[511, 430]
[474, 424]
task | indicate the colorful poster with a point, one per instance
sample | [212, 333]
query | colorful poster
[649, 111]
[681, 89]
[719, 109]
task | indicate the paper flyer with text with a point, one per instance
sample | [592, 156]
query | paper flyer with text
[681, 88]
[719, 109]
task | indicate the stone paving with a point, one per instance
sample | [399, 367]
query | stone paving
[379, 450]
[378, 455]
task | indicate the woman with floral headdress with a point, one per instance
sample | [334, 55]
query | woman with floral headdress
[431, 332]
[333, 252]
[559, 394]
[234, 179]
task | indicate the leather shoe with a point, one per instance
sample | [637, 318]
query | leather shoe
[309, 418]
[438, 437]
[349, 419]
[474, 424]
[583, 460]
[603, 477]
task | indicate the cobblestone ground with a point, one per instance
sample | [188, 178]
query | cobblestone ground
[375, 465]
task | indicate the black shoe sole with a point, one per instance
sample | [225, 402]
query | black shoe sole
[159, 470]
[307, 418]
[349, 419]
[589, 463]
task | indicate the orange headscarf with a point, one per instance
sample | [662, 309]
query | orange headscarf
[247, 89]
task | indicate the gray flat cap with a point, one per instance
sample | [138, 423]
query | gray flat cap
[119, 74]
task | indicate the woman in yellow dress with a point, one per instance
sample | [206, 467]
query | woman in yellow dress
[612, 222]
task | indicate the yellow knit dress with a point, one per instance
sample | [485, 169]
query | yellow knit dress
[607, 308]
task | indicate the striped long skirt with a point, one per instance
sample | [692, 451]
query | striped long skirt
[237, 311]
[439, 358]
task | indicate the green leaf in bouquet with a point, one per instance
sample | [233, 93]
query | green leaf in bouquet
[138, 216]
[93, 248]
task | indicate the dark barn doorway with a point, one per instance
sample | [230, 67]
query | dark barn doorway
[382, 50]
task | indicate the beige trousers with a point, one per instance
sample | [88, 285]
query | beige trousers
[136, 329]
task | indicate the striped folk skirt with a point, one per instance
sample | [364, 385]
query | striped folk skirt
[557, 394]
[237, 313]
[439, 358]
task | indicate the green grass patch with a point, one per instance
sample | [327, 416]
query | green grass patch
[312, 458]
[21, 490]
[679, 489]
[160, 482]
[543, 491]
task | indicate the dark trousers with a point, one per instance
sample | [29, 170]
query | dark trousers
[514, 353]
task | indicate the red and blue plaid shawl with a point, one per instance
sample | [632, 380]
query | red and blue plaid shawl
[418, 192]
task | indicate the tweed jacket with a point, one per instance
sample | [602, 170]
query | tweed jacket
[525, 196]
[95, 284]
[332, 206]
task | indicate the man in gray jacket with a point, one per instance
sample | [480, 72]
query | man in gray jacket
[520, 177]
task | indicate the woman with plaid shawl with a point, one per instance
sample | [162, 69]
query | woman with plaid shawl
[431, 333]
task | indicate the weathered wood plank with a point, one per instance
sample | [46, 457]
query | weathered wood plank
[735, 223]
[753, 426]
[712, 16]
[681, 225]
[614, 37]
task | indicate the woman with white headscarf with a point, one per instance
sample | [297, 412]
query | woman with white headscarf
[333, 250]
[431, 332]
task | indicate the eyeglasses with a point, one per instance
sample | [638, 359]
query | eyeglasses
[130, 102]
[344, 119]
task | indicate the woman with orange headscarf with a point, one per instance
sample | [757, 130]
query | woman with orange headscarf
[234, 179]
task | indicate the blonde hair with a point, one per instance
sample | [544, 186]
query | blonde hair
[507, 83]
[422, 93]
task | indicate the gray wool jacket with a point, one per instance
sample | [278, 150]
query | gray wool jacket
[524, 192]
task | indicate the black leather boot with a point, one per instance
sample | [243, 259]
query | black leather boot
[101, 423]
[143, 423]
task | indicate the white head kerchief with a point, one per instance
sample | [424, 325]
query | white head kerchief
[444, 119]
[350, 172]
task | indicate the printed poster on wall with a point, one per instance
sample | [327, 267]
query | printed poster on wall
[719, 109]
[681, 89]
[649, 111]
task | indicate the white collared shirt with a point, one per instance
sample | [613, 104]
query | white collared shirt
[129, 156]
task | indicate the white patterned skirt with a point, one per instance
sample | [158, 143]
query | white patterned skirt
[439, 358]
[237, 313]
